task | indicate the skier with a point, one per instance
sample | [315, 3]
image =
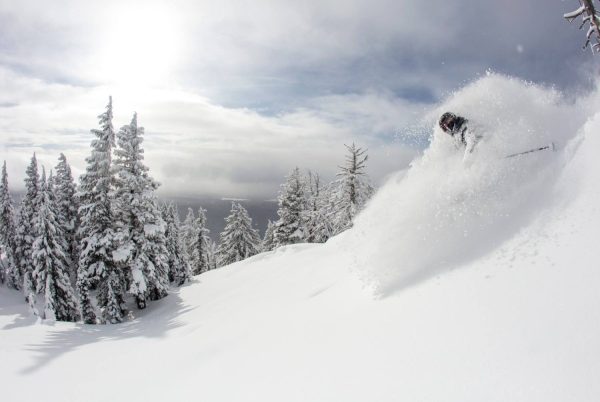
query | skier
[463, 135]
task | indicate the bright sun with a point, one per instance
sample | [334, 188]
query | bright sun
[141, 47]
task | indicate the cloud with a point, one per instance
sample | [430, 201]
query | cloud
[258, 87]
[195, 147]
[274, 56]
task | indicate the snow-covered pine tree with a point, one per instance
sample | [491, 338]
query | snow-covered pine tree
[268, 242]
[179, 267]
[8, 234]
[189, 238]
[96, 231]
[171, 257]
[200, 246]
[51, 259]
[312, 189]
[321, 226]
[143, 247]
[239, 240]
[25, 232]
[67, 205]
[289, 228]
[212, 254]
[196, 241]
[351, 190]
[318, 221]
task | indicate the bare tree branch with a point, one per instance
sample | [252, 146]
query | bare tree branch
[589, 16]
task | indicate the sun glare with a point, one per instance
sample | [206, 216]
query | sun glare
[141, 47]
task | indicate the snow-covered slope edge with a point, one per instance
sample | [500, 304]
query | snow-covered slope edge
[518, 319]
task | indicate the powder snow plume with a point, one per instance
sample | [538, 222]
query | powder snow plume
[441, 212]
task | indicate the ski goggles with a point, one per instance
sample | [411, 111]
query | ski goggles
[448, 124]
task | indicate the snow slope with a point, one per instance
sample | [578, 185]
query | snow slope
[476, 283]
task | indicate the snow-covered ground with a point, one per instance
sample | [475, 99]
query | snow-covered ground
[458, 283]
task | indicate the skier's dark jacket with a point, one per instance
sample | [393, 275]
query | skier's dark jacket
[464, 136]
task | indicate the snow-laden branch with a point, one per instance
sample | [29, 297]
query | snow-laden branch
[572, 15]
[588, 11]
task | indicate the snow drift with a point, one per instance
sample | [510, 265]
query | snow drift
[443, 212]
[518, 321]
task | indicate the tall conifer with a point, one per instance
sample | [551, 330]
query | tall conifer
[179, 267]
[142, 252]
[26, 232]
[51, 260]
[67, 204]
[290, 227]
[351, 190]
[239, 240]
[8, 234]
[201, 245]
[97, 266]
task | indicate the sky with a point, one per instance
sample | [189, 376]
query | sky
[234, 94]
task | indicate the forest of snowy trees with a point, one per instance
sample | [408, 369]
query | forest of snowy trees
[89, 252]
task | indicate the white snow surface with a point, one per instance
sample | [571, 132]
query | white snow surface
[457, 283]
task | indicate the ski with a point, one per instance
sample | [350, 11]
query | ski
[550, 146]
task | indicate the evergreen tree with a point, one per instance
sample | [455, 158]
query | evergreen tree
[197, 242]
[25, 232]
[67, 205]
[212, 254]
[171, 256]
[142, 251]
[51, 259]
[8, 234]
[96, 263]
[179, 267]
[352, 189]
[238, 240]
[189, 237]
[317, 222]
[322, 219]
[201, 244]
[268, 242]
[290, 228]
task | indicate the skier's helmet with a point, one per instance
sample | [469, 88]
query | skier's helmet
[448, 122]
